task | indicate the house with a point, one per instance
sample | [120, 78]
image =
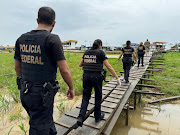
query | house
[158, 46]
[69, 45]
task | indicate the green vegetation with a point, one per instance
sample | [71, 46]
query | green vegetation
[169, 78]
[24, 132]
[8, 77]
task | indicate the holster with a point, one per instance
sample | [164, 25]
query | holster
[18, 82]
[50, 91]
[104, 74]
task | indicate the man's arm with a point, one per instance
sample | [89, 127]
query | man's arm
[66, 75]
[17, 67]
[134, 55]
[81, 63]
[120, 56]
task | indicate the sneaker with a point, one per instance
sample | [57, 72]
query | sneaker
[142, 65]
[101, 117]
[80, 121]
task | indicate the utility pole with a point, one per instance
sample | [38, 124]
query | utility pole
[85, 43]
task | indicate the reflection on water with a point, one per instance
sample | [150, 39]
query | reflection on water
[149, 119]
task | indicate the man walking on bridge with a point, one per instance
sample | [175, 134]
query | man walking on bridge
[38, 53]
[141, 51]
[147, 45]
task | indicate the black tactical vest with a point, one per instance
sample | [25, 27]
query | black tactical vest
[140, 49]
[92, 60]
[127, 51]
[36, 66]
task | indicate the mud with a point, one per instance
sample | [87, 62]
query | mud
[16, 115]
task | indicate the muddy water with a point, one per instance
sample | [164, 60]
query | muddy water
[148, 119]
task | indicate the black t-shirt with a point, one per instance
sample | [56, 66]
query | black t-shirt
[53, 47]
[127, 51]
[141, 49]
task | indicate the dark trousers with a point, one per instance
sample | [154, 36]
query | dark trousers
[41, 118]
[91, 80]
[140, 58]
[127, 62]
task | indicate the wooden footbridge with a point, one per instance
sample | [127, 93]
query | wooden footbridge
[114, 100]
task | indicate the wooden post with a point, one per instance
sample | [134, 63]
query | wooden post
[135, 101]
[140, 88]
[127, 114]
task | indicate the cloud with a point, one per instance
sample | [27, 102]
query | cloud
[112, 21]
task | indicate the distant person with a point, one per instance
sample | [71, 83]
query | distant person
[38, 53]
[141, 51]
[92, 63]
[127, 53]
[147, 45]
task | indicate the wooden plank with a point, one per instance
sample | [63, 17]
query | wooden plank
[147, 92]
[147, 79]
[157, 64]
[109, 104]
[155, 67]
[113, 100]
[74, 112]
[155, 58]
[164, 99]
[106, 104]
[61, 130]
[105, 92]
[107, 88]
[156, 61]
[155, 70]
[106, 110]
[110, 85]
[149, 74]
[149, 86]
[118, 92]
[115, 96]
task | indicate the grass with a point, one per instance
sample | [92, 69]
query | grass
[169, 78]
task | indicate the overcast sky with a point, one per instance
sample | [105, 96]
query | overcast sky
[113, 21]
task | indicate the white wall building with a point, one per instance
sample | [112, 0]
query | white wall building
[69, 45]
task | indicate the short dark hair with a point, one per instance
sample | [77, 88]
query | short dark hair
[128, 43]
[96, 44]
[46, 15]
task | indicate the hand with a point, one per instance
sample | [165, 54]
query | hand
[135, 60]
[118, 81]
[70, 94]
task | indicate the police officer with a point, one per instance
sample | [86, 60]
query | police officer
[38, 53]
[92, 62]
[141, 51]
[147, 45]
[127, 59]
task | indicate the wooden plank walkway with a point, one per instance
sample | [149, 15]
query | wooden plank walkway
[113, 100]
